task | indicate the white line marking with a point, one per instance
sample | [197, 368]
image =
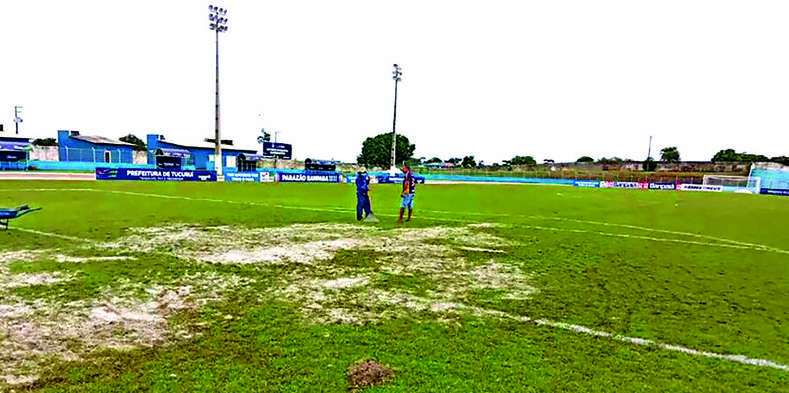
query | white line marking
[658, 239]
[633, 340]
[52, 234]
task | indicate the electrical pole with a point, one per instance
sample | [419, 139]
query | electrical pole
[649, 152]
[218, 24]
[396, 76]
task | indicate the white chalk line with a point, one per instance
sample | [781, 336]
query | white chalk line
[628, 226]
[544, 322]
[632, 340]
[72, 238]
[731, 243]
[650, 238]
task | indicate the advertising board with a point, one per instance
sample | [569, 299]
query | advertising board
[159, 174]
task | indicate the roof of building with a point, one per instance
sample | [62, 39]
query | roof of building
[7, 136]
[209, 146]
[13, 146]
[99, 140]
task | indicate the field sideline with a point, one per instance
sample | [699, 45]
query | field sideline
[124, 286]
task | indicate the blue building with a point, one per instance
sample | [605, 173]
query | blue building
[200, 155]
[91, 148]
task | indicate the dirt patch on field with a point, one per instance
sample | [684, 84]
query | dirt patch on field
[347, 274]
[367, 374]
[33, 331]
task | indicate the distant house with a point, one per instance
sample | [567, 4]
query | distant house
[92, 148]
[202, 153]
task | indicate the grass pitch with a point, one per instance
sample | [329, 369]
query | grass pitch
[125, 286]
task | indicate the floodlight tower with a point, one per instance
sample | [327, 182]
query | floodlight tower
[17, 117]
[218, 24]
[396, 76]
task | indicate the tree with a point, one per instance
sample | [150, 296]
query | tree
[548, 161]
[781, 160]
[521, 160]
[612, 160]
[454, 161]
[377, 151]
[468, 162]
[585, 159]
[434, 160]
[669, 154]
[138, 143]
[45, 142]
[264, 136]
[649, 165]
[729, 155]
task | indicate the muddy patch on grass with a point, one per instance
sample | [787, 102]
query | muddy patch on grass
[331, 290]
[36, 331]
[398, 272]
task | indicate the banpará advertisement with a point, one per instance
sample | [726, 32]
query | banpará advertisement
[290, 177]
[624, 184]
[662, 186]
[159, 174]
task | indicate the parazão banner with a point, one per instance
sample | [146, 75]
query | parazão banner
[158, 174]
[296, 177]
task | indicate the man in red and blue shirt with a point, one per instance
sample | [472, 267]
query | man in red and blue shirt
[409, 190]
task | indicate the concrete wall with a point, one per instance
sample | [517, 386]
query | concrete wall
[45, 153]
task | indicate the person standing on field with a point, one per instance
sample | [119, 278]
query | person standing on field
[409, 190]
[363, 196]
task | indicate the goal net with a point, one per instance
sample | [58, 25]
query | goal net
[744, 182]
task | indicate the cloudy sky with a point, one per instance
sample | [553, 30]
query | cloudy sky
[552, 79]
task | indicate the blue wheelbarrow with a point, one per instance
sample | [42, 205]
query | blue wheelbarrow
[7, 215]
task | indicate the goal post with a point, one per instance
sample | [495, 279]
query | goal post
[749, 183]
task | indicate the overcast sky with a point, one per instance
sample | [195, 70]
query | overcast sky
[552, 79]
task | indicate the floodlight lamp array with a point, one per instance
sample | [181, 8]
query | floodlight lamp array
[217, 18]
[397, 73]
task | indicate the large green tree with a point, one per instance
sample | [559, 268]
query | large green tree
[585, 159]
[138, 143]
[468, 162]
[377, 151]
[45, 142]
[523, 160]
[433, 160]
[729, 155]
[669, 154]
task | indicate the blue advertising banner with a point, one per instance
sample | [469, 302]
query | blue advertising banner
[586, 183]
[242, 176]
[773, 191]
[291, 177]
[280, 150]
[154, 174]
[662, 186]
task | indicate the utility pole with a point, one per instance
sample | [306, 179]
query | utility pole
[218, 24]
[649, 152]
[396, 76]
[17, 118]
